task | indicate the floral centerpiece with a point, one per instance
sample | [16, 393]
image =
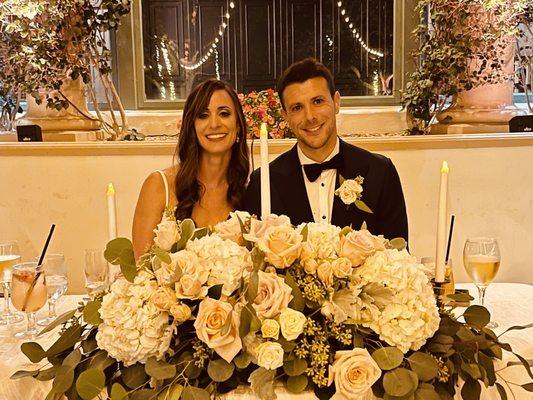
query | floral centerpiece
[338, 312]
[264, 107]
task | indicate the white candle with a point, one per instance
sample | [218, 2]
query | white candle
[111, 212]
[265, 173]
[440, 266]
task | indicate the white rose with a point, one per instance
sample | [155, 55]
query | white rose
[186, 261]
[180, 312]
[325, 273]
[359, 245]
[190, 287]
[269, 355]
[231, 228]
[259, 227]
[349, 191]
[281, 245]
[270, 329]
[292, 323]
[163, 298]
[354, 372]
[166, 234]
[273, 295]
[342, 267]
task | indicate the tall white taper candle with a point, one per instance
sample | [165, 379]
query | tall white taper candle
[111, 212]
[440, 267]
[265, 172]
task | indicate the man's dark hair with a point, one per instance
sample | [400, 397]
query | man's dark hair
[301, 71]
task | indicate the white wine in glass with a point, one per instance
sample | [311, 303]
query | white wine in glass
[481, 257]
[9, 256]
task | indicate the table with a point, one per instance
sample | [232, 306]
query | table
[509, 303]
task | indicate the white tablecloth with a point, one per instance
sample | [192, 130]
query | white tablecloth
[510, 304]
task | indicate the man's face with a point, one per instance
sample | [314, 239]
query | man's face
[310, 111]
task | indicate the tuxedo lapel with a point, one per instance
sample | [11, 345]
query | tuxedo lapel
[294, 193]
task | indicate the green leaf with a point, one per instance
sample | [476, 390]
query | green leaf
[287, 345]
[114, 249]
[295, 367]
[262, 383]
[426, 393]
[143, 394]
[46, 374]
[194, 393]
[101, 360]
[362, 206]
[201, 232]
[345, 231]
[68, 339]
[215, 291]
[305, 232]
[472, 370]
[159, 369]
[220, 370]
[388, 358]
[524, 363]
[89, 346]
[171, 393]
[460, 297]
[90, 383]
[253, 284]
[63, 379]
[488, 365]
[242, 360]
[187, 231]
[91, 313]
[423, 365]
[24, 374]
[528, 386]
[162, 255]
[471, 390]
[58, 321]
[517, 327]
[398, 243]
[398, 382]
[501, 391]
[127, 264]
[477, 316]
[298, 302]
[134, 376]
[33, 351]
[118, 392]
[246, 319]
[297, 384]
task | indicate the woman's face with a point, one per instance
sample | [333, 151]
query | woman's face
[216, 127]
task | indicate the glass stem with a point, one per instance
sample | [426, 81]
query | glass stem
[7, 309]
[31, 321]
[52, 309]
[481, 290]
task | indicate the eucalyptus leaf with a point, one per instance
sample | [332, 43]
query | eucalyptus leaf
[200, 233]
[33, 351]
[477, 316]
[220, 370]
[501, 391]
[295, 367]
[115, 248]
[362, 206]
[298, 302]
[118, 392]
[423, 365]
[143, 394]
[246, 319]
[488, 365]
[398, 382]
[305, 232]
[127, 264]
[134, 376]
[297, 384]
[194, 393]
[24, 374]
[90, 383]
[344, 231]
[159, 369]
[58, 321]
[471, 390]
[528, 386]
[63, 378]
[67, 339]
[253, 284]
[91, 313]
[46, 374]
[262, 383]
[215, 291]
[398, 243]
[101, 360]
[388, 358]
[471, 369]
[162, 254]
[426, 394]
[242, 360]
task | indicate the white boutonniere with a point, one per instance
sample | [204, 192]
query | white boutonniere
[350, 192]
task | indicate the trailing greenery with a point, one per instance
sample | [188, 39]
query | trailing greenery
[462, 45]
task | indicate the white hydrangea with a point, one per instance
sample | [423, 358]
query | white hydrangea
[226, 261]
[133, 328]
[410, 316]
[322, 240]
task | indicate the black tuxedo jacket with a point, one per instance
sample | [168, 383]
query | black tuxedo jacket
[382, 192]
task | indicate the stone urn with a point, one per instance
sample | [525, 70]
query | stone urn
[67, 124]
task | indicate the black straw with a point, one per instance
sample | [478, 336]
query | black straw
[38, 270]
[449, 239]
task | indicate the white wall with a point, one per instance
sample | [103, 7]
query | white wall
[490, 188]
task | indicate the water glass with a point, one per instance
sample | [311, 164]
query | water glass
[96, 270]
[56, 284]
[29, 294]
[9, 256]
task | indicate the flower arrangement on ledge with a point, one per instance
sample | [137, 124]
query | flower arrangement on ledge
[264, 107]
[338, 312]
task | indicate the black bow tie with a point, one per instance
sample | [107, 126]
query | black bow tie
[313, 171]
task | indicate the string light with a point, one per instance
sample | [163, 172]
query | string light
[356, 34]
[217, 67]
[213, 44]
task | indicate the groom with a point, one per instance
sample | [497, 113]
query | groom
[303, 180]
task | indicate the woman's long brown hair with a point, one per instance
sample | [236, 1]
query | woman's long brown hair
[188, 188]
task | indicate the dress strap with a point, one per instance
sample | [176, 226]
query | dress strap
[167, 194]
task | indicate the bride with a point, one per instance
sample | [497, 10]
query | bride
[209, 179]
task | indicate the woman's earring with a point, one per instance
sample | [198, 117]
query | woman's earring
[237, 140]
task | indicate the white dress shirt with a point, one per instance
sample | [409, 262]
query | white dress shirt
[320, 192]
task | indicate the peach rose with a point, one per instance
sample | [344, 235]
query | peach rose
[358, 245]
[310, 265]
[325, 273]
[281, 245]
[342, 267]
[354, 372]
[259, 227]
[163, 298]
[180, 312]
[270, 329]
[190, 287]
[273, 296]
[210, 328]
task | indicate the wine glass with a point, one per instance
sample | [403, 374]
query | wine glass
[481, 257]
[9, 256]
[95, 271]
[29, 294]
[56, 284]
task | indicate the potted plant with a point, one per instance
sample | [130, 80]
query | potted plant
[53, 51]
[463, 45]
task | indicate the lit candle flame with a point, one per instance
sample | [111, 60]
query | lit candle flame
[110, 189]
[445, 169]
